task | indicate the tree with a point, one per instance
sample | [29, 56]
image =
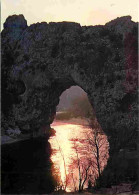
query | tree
[98, 146]
[83, 164]
[91, 155]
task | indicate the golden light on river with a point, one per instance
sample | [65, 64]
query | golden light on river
[64, 156]
[61, 142]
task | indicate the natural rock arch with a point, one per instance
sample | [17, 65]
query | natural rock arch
[42, 60]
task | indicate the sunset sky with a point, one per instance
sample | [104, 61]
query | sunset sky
[85, 12]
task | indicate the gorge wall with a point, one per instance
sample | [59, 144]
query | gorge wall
[42, 60]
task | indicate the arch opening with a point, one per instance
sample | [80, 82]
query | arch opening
[80, 147]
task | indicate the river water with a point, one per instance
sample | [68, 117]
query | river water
[74, 155]
[40, 166]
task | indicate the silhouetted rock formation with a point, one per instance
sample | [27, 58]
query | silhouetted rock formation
[42, 60]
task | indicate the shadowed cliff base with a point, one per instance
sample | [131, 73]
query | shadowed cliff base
[42, 60]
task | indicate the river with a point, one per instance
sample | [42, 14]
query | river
[42, 166]
[75, 155]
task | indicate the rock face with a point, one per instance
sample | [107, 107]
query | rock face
[42, 60]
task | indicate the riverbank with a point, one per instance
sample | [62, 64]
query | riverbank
[74, 121]
[5, 139]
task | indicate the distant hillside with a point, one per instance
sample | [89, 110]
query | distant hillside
[68, 96]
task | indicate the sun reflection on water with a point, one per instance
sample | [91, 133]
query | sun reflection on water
[64, 156]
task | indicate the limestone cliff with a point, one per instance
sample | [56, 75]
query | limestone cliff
[42, 60]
